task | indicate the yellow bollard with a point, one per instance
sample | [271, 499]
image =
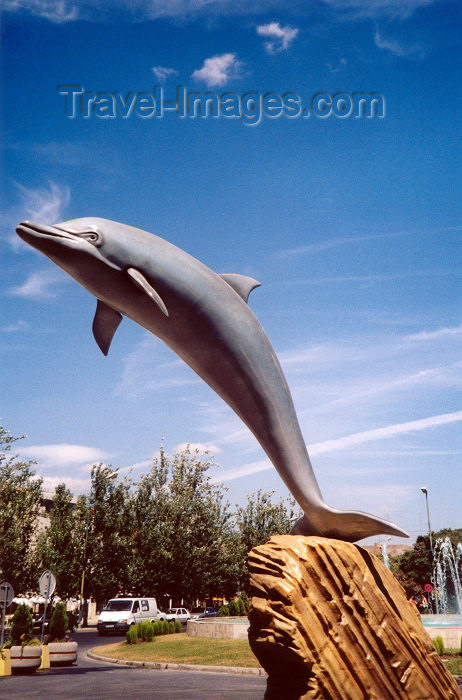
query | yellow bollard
[45, 658]
[5, 662]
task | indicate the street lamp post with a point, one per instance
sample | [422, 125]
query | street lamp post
[425, 491]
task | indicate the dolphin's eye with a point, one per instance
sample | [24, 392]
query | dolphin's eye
[91, 236]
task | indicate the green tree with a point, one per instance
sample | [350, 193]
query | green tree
[20, 496]
[104, 518]
[415, 568]
[415, 565]
[60, 545]
[21, 625]
[59, 622]
[258, 521]
[182, 530]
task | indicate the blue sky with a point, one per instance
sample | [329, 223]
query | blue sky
[352, 225]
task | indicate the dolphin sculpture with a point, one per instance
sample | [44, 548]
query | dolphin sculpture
[205, 319]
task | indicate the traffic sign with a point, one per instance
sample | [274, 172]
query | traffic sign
[428, 588]
[47, 584]
[6, 593]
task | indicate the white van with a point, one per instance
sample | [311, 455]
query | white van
[120, 613]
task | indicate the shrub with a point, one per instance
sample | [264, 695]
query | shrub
[148, 631]
[139, 629]
[21, 625]
[132, 634]
[246, 601]
[157, 628]
[241, 607]
[59, 622]
[177, 626]
[171, 627]
[233, 608]
[165, 627]
[439, 645]
[223, 611]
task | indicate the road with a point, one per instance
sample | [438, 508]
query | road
[95, 680]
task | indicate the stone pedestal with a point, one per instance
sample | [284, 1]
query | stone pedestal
[329, 621]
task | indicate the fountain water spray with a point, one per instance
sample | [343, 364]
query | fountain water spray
[447, 573]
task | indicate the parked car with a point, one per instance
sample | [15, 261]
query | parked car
[180, 614]
[209, 612]
[195, 612]
[120, 613]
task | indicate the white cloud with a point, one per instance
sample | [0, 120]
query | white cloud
[377, 8]
[75, 485]
[61, 11]
[147, 369]
[248, 469]
[350, 440]
[397, 48]
[16, 327]
[199, 446]
[335, 69]
[280, 37]
[162, 74]
[381, 433]
[63, 455]
[45, 205]
[58, 11]
[219, 70]
[39, 285]
[436, 335]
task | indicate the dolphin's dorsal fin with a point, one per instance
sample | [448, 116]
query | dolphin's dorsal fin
[141, 281]
[241, 284]
[105, 324]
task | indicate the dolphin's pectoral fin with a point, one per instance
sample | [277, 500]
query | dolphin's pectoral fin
[241, 284]
[105, 324]
[141, 281]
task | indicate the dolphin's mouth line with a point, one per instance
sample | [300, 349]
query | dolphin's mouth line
[73, 240]
[45, 231]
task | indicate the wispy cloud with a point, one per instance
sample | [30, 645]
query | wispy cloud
[45, 205]
[436, 334]
[340, 241]
[248, 469]
[356, 9]
[76, 485]
[336, 242]
[347, 441]
[397, 48]
[279, 37]
[39, 285]
[63, 455]
[336, 69]
[201, 447]
[219, 70]
[149, 367]
[162, 74]
[62, 11]
[57, 11]
[382, 433]
[16, 327]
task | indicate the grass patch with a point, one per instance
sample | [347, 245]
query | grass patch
[180, 648]
[452, 659]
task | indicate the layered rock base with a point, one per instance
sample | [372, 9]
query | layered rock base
[329, 621]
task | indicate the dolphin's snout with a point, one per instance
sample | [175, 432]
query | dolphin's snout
[32, 227]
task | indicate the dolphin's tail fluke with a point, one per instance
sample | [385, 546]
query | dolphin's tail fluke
[348, 525]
